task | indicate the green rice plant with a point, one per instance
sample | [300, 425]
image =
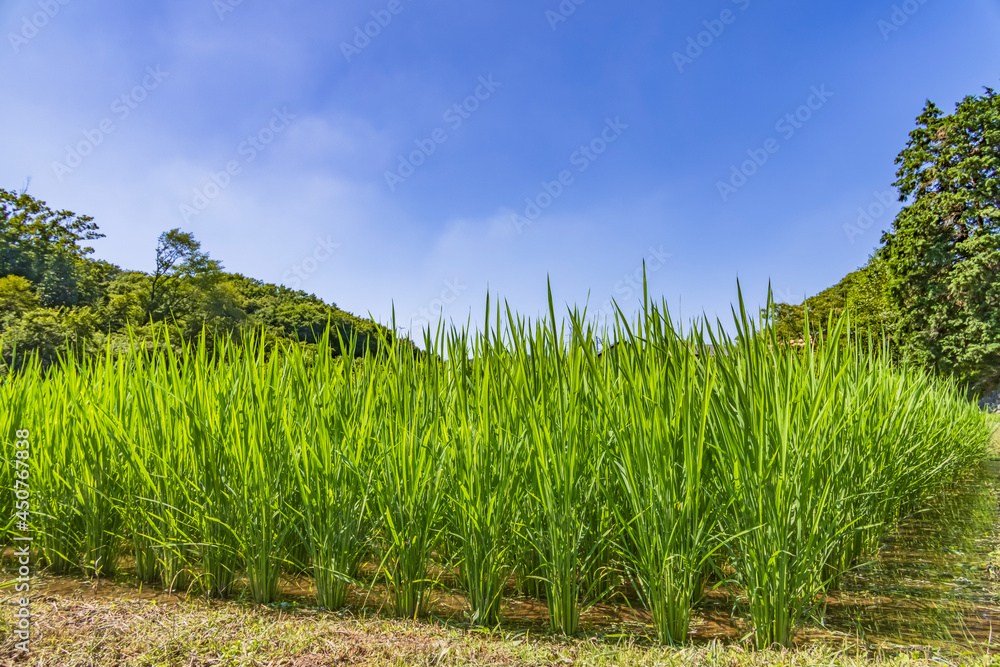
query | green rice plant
[135, 518]
[97, 498]
[210, 395]
[134, 493]
[259, 458]
[159, 513]
[518, 449]
[564, 448]
[15, 398]
[600, 569]
[528, 574]
[662, 463]
[331, 432]
[907, 434]
[828, 446]
[512, 356]
[773, 421]
[409, 484]
[484, 479]
[79, 488]
[56, 519]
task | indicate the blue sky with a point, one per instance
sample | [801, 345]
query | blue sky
[301, 150]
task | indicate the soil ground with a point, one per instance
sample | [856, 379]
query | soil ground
[78, 623]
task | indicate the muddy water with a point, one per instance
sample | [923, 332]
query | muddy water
[934, 581]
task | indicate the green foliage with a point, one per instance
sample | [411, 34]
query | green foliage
[934, 286]
[943, 253]
[43, 246]
[222, 466]
[54, 298]
[179, 256]
[869, 301]
[863, 292]
[16, 296]
[50, 333]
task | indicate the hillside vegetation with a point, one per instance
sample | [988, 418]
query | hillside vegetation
[55, 299]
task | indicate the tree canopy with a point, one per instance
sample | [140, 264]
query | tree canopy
[44, 246]
[933, 286]
[943, 252]
[863, 292]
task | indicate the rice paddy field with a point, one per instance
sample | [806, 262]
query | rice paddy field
[639, 463]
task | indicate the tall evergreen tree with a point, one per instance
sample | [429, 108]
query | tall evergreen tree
[943, 252]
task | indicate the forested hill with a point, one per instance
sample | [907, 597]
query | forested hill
[54, 297]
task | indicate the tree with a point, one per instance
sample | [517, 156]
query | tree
[869, 302]
[16, 295]
[43, 246]
[178, 255]
[942, 254]
[864, 293]
[48, 333]
[789, 320]
[55, 299]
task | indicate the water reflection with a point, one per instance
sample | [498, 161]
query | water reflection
[933, 583]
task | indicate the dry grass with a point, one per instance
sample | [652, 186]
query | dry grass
[994, 447]
[113, 626]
